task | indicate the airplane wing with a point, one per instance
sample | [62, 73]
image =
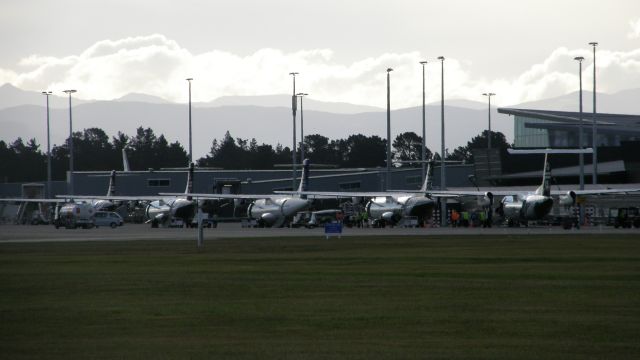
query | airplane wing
[33, 200]
[344, 194]
[224, 196]
[452, 193]
[366, 194]
[106, 197]
[516, 192]
[596, 191]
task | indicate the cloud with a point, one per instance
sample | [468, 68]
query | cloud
[158, 66]
[635, 29]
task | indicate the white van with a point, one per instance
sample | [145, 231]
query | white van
[108, 218]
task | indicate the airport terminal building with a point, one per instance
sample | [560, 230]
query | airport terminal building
[559, 129]
[618, 144]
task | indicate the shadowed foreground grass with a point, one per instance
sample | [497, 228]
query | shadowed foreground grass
[453, 297]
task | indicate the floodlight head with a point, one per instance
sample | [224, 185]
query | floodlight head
[593, 43]
[70, 91]
[293, 73]
[301, 94]
[189, 79]
[423, 62]
[46, 93]
[441, 58]
[579, 58]
[389, 70]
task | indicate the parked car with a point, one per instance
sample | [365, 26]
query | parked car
[108, 218]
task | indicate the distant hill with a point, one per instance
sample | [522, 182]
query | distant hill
[268, 118]
[12, 96]
[136, 97]
[285, 101]
[269, 125]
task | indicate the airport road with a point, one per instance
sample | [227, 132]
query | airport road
[45, 233]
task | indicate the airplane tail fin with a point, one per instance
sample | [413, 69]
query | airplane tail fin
[125, 161]
[426, 186]
[304, 180]
[111, 191]
[545, 188]
[189, 188]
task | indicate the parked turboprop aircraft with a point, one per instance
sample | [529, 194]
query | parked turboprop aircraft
[159, 210]
[519, 208]
[268, 209]
[183, 207]
[390, 206]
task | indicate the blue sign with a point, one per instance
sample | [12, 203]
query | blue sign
[332, 228]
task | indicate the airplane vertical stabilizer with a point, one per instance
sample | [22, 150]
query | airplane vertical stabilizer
[304, 180]
[426, 186]
[111, 191]
[189, 188]
[125, 161]
[544, 189]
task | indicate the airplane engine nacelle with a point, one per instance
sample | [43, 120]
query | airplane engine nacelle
[486, 200]
[569, 199]
[388, 216]
[269, 218]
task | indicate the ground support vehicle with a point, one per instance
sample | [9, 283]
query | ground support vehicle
[72, 216]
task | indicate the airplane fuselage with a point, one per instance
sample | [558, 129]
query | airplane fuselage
[164, 209]
[274, 211]
[527, 207]
[393, 208]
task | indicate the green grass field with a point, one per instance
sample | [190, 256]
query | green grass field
[526, 297]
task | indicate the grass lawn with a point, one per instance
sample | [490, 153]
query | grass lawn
[525, 297]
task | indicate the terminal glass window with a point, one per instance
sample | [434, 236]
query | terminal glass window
[159, 182]
[530, 137]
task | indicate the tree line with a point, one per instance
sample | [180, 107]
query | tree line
[95, 151]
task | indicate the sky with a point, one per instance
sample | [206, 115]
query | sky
[521, 50]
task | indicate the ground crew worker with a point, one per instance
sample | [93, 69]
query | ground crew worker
[483, 219]
[455, 216]
[465, 218]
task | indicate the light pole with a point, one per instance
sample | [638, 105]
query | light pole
[489, 95]
[69, 92]
[579, 59]
[443, 178]
[294, 105]
[594, 126]
[424, 124]
[190, 138]
[389, 70]
[48, 195]
[301, 95]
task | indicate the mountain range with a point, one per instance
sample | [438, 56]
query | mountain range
[267, 118]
